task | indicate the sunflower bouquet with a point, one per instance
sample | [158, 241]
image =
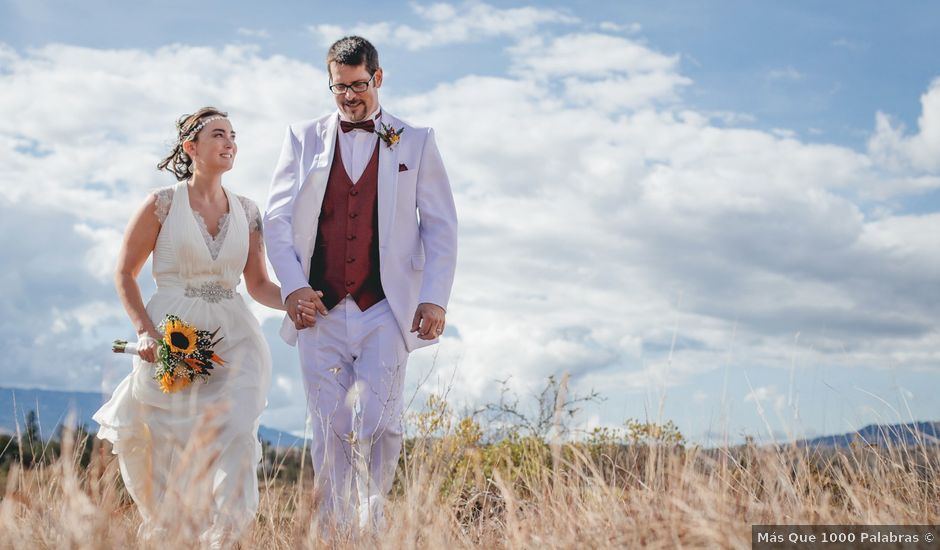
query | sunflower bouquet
[184, 354]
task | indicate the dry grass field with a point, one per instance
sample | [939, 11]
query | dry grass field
[636, 488]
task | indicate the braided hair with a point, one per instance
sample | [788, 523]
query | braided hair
[178, 162]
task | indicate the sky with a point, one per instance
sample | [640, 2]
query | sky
[720, 214]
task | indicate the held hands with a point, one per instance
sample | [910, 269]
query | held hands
[428, 321]
[303, 305]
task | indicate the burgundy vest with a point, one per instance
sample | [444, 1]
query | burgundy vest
[346, 256]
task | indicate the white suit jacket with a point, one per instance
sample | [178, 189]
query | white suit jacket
[416, 216]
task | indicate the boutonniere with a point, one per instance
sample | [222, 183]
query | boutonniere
[390, 135]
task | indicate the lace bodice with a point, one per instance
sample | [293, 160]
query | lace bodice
[165, 199]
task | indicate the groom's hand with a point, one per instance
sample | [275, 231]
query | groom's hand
[303, 305]
[428, 321]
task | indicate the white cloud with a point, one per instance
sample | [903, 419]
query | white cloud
[614, 94]
[760, 393]
[90, 315]
[891, 146]
[610, 26]
[786, 73]
[767, 395]
[92, 124]
[908, 243]
[254, 33]
[445, 24]
[79, 158]
[377, 33]
[847, 44]
[101, 258]
[591, 55]
[57, 317]
[603, 219]
[604, 71]
[730, 118]
[596, 229]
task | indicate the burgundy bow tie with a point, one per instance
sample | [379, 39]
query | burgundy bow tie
[367, 125]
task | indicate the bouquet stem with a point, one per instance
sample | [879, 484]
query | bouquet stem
[121, 346]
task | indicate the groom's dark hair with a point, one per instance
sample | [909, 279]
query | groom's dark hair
[353, 50]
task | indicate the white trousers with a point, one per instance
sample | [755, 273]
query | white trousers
[353, 366]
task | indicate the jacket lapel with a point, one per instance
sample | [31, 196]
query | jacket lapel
[310, 196]
[328, 136]
[387, 181]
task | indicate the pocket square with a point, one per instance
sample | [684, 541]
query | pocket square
[402, 168]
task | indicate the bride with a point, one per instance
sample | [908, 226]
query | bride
[189, 452]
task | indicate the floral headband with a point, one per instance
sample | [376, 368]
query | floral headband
[191, 135]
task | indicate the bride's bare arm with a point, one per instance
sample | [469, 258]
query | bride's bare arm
[139, 241]
[259, 284]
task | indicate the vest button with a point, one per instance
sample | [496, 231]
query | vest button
[350, 283]
[354, 192]
[353, 215]
[350, 260]
[351, 238]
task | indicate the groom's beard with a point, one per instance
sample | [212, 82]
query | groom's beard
[355, 110]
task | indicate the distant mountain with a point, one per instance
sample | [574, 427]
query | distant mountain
[279, 438]
[898, 435]
[52, 408]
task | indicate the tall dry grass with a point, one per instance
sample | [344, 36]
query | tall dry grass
[453, 491]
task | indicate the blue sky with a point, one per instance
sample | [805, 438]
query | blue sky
[798, 65]
[717, 213]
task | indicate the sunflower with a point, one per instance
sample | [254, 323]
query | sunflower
[180, 336]
[169, 384]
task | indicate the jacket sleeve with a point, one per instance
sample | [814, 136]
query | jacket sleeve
[437, 226]
[278, 232]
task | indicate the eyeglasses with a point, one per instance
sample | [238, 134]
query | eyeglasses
[358, 87]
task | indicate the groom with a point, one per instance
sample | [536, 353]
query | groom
[361, 231]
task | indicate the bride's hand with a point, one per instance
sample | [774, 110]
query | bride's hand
[147, 346]
[307, 311]
[303, 305]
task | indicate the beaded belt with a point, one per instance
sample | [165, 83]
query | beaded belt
[211, 291]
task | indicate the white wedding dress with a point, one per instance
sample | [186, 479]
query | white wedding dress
[189, 459]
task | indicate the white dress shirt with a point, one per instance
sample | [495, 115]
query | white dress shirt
[356, 146]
